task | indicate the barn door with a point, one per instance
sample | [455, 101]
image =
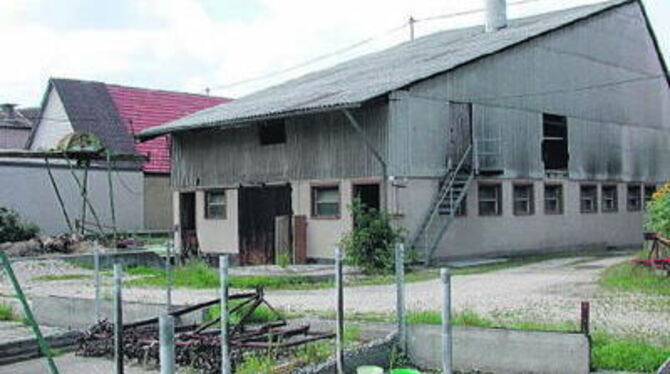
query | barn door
[258, 209]
[459, 132]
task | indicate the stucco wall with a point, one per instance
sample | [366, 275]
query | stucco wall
[157, 202]
[26, 188]
[497, 235]
[53, 126]
[13, 138]
[217, 235]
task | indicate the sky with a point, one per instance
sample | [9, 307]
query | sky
[193, 45]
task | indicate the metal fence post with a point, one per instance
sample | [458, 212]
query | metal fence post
[339, 344]
[223, 278]
[585, 317]
[42, 344]
[96, 269]
[446, 322]
[400, 295]
[166, 338]
[168, 276]
[118, 320]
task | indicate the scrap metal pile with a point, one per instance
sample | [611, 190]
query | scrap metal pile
[199, 346]
[658, 250]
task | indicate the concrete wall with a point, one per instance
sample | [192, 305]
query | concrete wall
[53, 126]
[157, 202]
[501, 351]
[217, 235]
[25, 187]
[13, 137]
[506, 234]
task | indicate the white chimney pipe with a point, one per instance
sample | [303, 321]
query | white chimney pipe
[496, 15]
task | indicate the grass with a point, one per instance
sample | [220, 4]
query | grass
[257, 364]
[610, 353]
[262, 314]
[628, 277]
[61, 277]
[7, 313]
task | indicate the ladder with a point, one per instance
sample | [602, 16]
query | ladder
[442, 210]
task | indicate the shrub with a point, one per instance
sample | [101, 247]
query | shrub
[370, 244]
[658, 212]
[13, 228]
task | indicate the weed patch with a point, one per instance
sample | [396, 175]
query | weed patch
[7, 313]
[61, 277]
[611, 353]
[634, 278]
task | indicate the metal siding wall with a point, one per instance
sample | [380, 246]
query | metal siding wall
[603, 122]
[317, 147]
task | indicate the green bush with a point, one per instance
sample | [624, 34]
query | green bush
[370, 244]
[13, 228]
[658, 212]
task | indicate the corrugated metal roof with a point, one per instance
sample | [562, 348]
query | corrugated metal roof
[351, 83]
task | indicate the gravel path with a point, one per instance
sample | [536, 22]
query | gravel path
[545, 291]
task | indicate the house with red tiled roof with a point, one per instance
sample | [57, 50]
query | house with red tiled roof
[115, 113]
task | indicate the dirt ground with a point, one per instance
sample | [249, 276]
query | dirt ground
[549, 291]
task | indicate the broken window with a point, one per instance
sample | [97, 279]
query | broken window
[610, 198]
[326, 201]
[588, 199]
[634, 198]
[649, 190]
[272, 132]
[555, 142]
[553, 199]
[490, 199]
[215, 204]
[524, 204]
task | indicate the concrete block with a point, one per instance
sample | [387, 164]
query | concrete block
[501, 350]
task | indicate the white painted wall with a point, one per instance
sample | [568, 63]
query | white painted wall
[26, 188]
[53, 126]
[217, 235]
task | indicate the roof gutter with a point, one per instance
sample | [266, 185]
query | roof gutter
[155, 132]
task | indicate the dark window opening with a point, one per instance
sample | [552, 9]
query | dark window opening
[524, 200]
[553, 199]
[368, 194]
[490, 199]
[462, 209]
[272, 132]
[634, 198]
[555, 142]
[588, 199]
[610, 198]
[648, 193]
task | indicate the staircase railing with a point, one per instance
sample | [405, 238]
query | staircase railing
[433, 214]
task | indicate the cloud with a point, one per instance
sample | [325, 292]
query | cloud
[192, 44]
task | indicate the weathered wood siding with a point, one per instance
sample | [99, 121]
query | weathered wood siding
[317, 147]
[617, 132]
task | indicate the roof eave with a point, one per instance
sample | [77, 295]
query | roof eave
[155, 132]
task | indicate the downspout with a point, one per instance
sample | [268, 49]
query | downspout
[375, 153]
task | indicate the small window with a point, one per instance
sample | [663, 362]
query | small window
[272, 132]
[634, 198]
[553, 199]
[490, 199]
[215, 204]
[326, 201]
[610, 198]
[524, 204]
[589, 199]
[649, 190]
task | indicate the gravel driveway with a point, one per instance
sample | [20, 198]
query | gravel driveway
[545, 291]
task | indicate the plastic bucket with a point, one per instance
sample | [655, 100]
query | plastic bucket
[369, 370]
[405, 371]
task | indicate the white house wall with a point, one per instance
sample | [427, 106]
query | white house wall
[53, 125]
[26, 188]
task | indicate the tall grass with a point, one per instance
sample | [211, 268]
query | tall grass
[610, 353]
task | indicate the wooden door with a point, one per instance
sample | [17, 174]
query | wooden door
[258, 209]
[459, 132]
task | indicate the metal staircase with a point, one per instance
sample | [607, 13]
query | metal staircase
[442, 211]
